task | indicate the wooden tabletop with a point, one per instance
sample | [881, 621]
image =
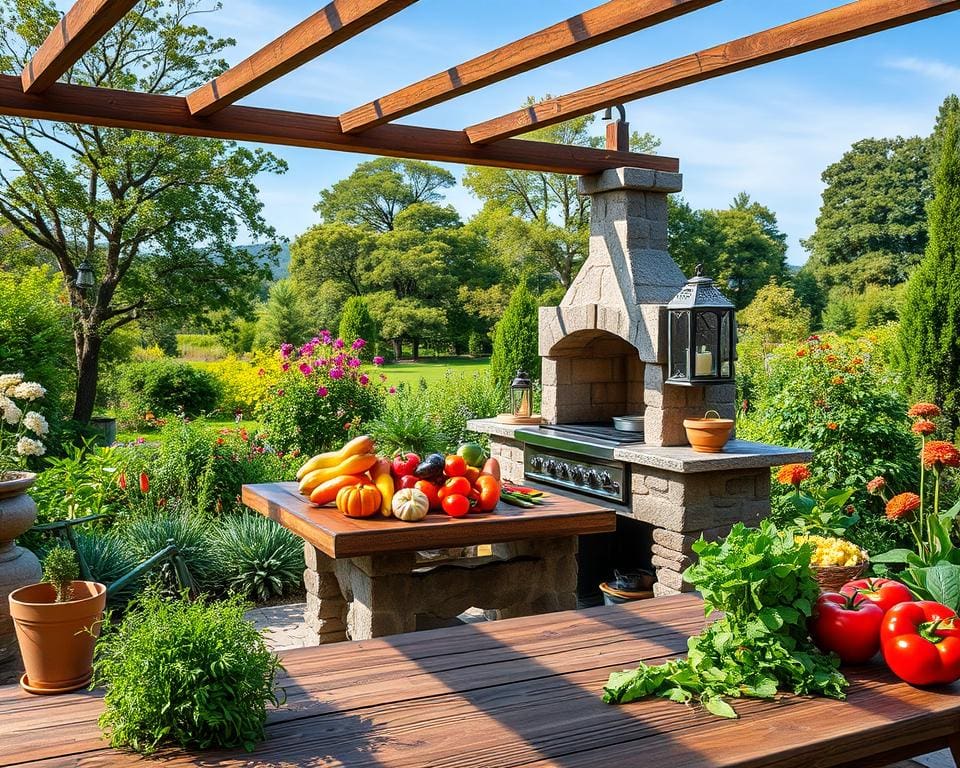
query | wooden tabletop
[520, 692]
[340, 536]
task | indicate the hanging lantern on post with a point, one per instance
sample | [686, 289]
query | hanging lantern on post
[701, 334]
[521, 396]
[85, 279]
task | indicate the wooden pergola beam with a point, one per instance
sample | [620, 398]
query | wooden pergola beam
[578, 33]
[170, 114]
[846, 22]
[85, 23]
[324, 30]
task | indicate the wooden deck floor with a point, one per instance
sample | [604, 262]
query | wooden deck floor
[523, 692]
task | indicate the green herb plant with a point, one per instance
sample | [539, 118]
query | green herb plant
[60, 569]
[824, 511]
[192, 674]
[760, 579]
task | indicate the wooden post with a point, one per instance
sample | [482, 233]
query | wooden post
[618, 135]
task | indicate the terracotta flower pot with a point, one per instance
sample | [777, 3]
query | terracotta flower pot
[708, 435]
[18, 566]
[57, 639]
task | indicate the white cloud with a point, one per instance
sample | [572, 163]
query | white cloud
[929, 68]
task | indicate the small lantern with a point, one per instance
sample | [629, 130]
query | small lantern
[85, 279]
[701, 334]
[521, 396]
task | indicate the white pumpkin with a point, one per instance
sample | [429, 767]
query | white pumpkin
[410, 505]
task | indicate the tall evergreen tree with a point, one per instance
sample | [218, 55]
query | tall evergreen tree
[949, 108]
[930, 321]
[356, 322]
[515, 338]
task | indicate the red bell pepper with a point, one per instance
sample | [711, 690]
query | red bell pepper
[848, 625]
[403, 464]
[921, 643]
[884, 592]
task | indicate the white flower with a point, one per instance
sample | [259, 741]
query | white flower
[28, 390]
[36, 423]
[9, 381]
[29, 447]
[11, 413]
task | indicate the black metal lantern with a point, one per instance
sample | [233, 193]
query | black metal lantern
[521, 396]
[701, 334]
[85, 279]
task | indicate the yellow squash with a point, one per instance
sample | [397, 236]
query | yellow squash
[352, 465]
[362, 444]
[380, 472]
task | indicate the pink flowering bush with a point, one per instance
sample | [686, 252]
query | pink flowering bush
[322, 392]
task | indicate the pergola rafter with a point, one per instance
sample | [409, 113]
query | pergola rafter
[324, 30]
[210, 111]
[578, 33]
[820, 30]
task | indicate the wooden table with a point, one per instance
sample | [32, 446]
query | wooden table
[365, 579]
[523, 692]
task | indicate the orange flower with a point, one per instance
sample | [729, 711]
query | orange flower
[923, 411]
[831, 358]
[938, 454]
[793, 474]
[902, 505]
[802, 352]
[876, 485]
[924, 427]
[837, 380]
[832, 425]
[857, 361]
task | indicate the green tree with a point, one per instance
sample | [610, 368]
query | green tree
[693, 236]
[930, 320]
[810, 293]
[872, 226]
[330, 252]
[840, 313]
[283, 319]
[356, 322]
[378, 190]
[776, 315]
[515, 339]
[948, 109]
[156, 215]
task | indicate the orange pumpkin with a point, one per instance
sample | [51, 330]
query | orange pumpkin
[359, 500]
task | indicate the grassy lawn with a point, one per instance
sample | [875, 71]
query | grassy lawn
[432, 369]
[154, 436]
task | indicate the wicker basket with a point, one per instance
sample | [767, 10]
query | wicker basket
[832, 577]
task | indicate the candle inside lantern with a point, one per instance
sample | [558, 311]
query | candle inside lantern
[704, 365]
[523, 407]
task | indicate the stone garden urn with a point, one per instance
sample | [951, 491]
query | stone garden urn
[18, 566]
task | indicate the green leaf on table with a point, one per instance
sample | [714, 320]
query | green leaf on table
[720, 708]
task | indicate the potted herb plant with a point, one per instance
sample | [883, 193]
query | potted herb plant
[57, 623]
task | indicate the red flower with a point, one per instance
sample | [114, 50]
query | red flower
[793, 474]
[923, 411]
[902, 505]
[832, 425]
[938, 454]
[122, 481]
[144, 483]
[924, 427]
[876, 485]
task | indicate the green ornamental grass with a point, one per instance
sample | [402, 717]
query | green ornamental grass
[195, 675]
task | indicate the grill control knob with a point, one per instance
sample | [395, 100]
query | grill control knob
[605, 480]
[593, 478]
[551, 467]
[563, 472]
[578, 475]
[536, 463]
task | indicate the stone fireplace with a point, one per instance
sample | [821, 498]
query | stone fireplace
[604, 355]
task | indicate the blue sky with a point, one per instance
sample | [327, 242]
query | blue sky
[769, 131]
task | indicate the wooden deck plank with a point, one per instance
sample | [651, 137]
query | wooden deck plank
[340, 537]
[521, 693]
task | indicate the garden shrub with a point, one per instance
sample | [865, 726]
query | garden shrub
[256, 558]
[147, 535]
[515, 339]
[407, 425]
[194, 674]
[108, 558]
[322, 395]
[458, 397]
[244, 384]
[356, 322]
[164, 387]
[832, 396]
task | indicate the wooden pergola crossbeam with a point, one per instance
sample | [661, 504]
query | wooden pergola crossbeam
[75, 34]
[327, 28]
[837, 25]
[170, 114]
[596, 26]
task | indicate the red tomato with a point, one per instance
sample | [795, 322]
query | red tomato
[848, 626]
[443, 491]
[884, 592]
[455, 466]
[409, 481]
[459, 485]
[920, 643]
[404, 464]
[430, 491]
[456, 505]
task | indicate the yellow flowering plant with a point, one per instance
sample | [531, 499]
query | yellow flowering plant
[21, 429]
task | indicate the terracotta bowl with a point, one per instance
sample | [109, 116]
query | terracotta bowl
[708, 435]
